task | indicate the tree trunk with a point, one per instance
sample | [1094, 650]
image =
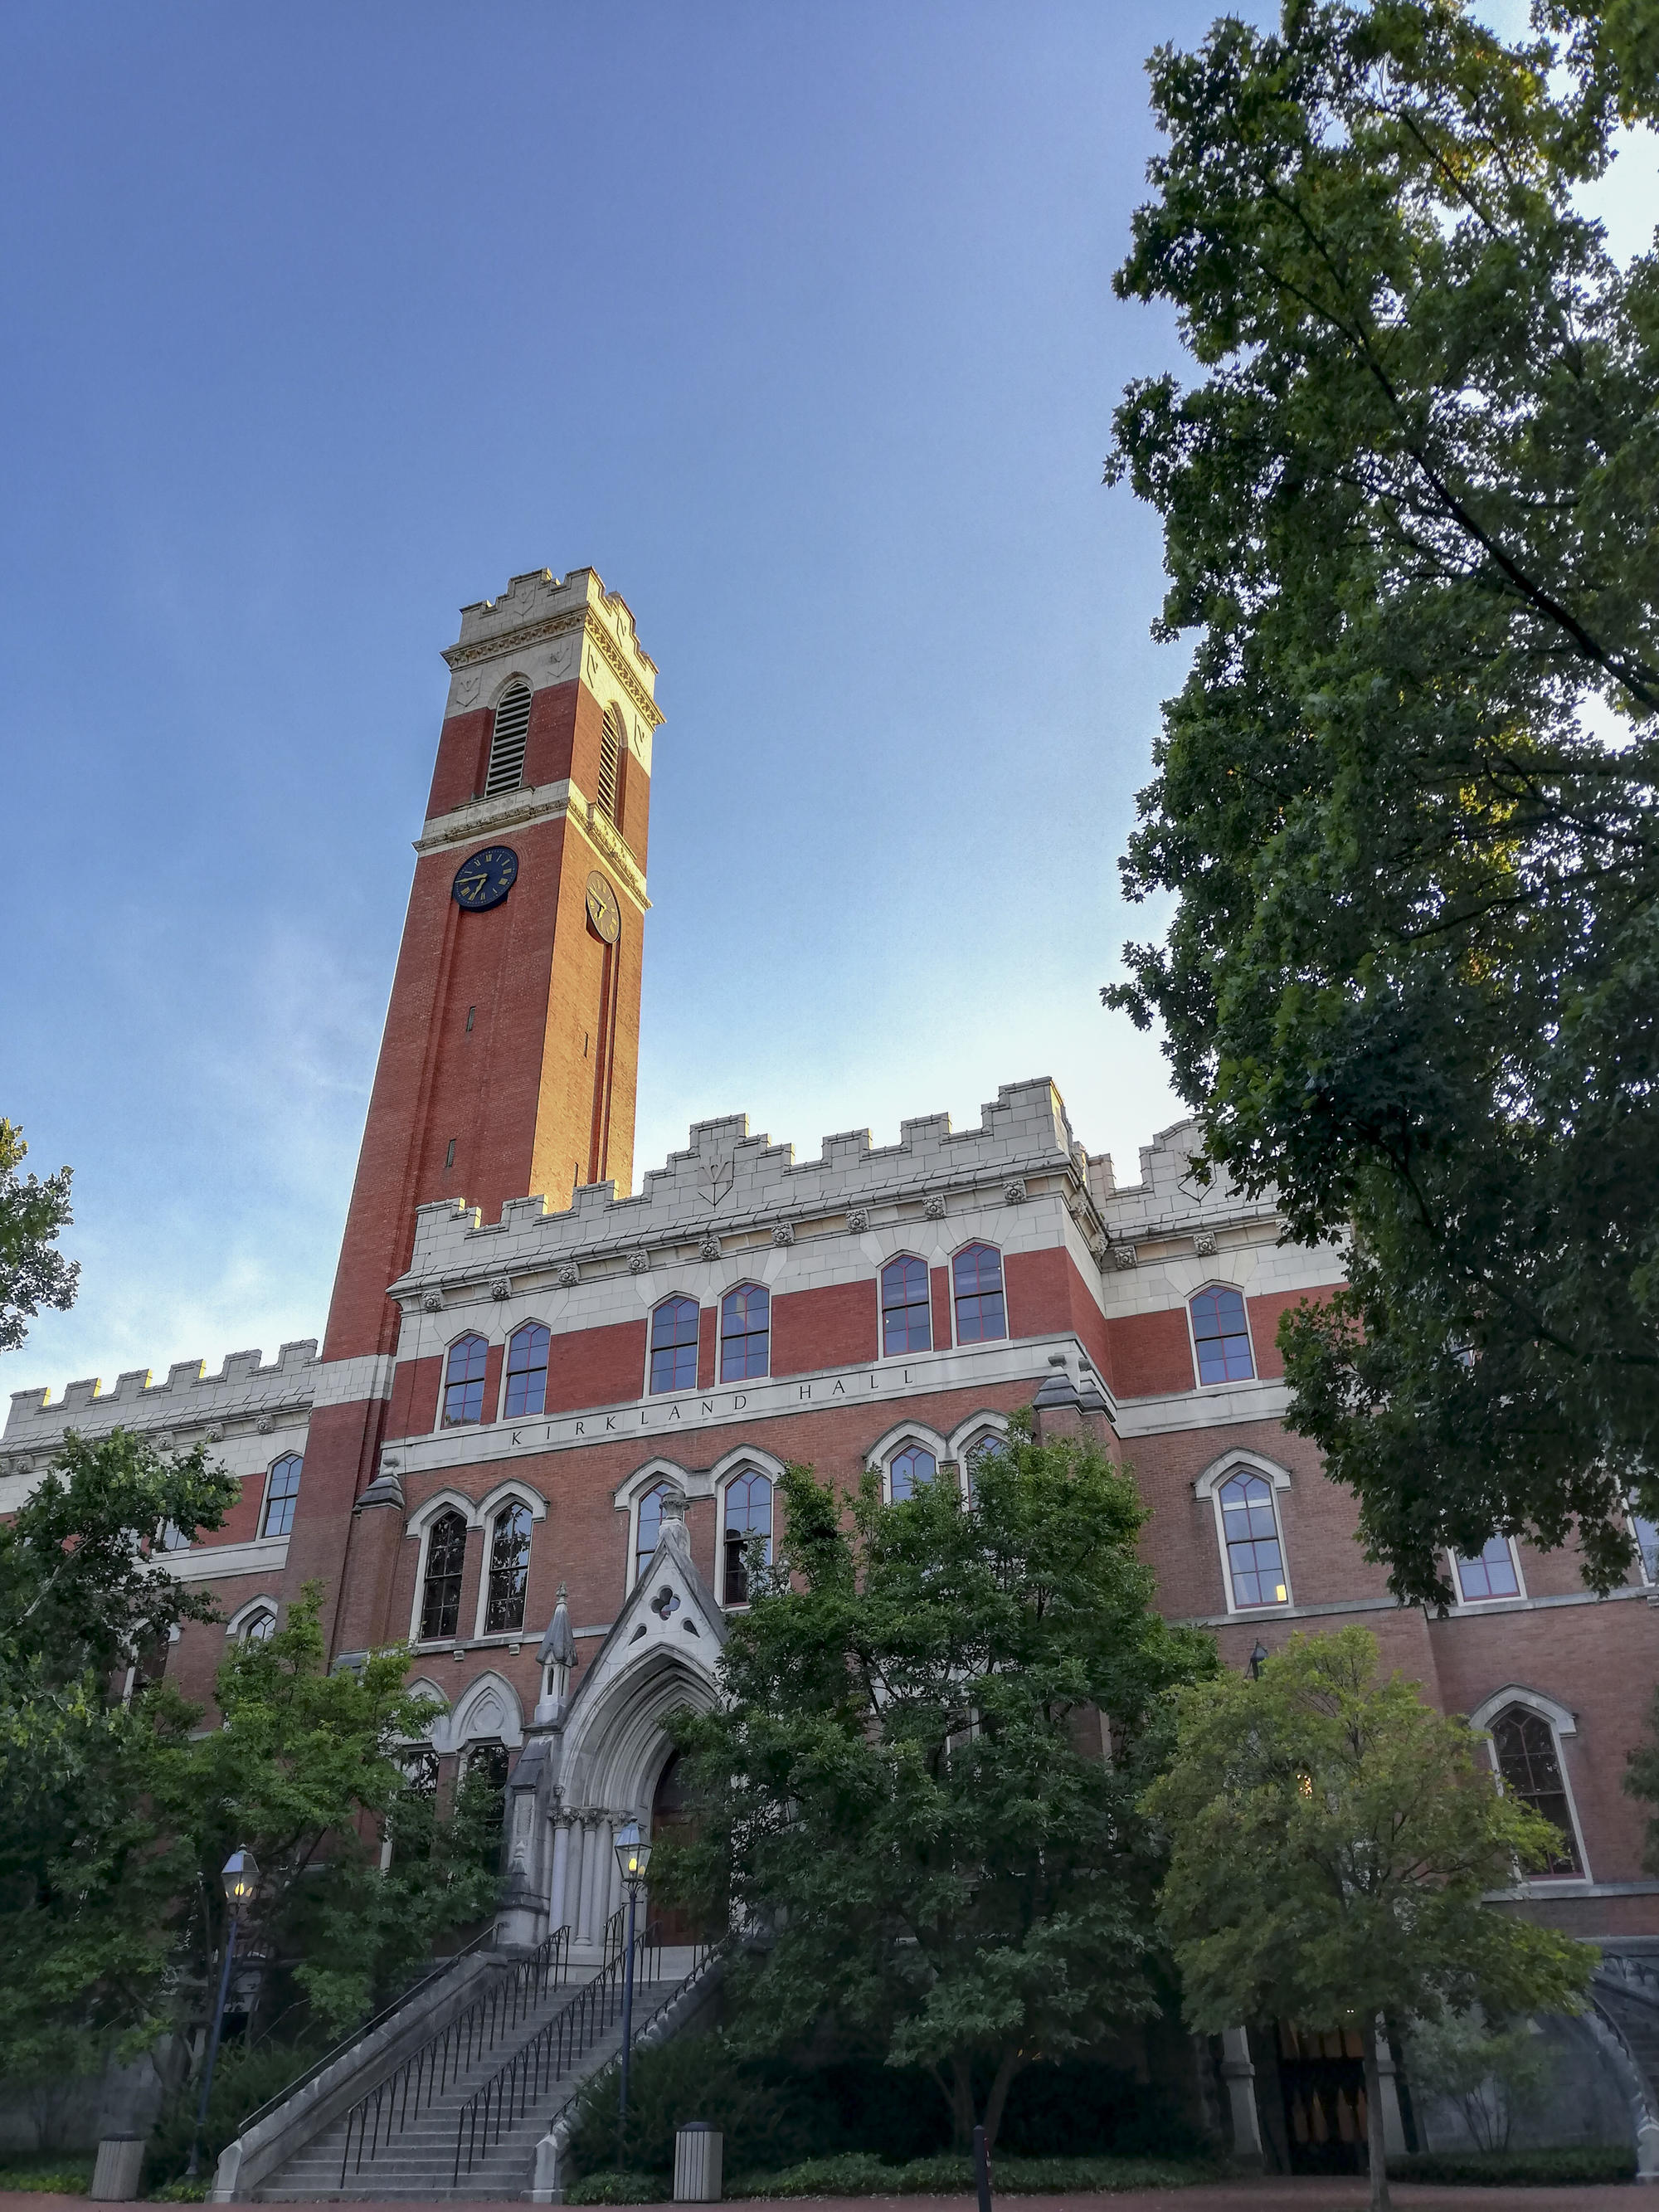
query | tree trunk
[1007, 2067]
[962, 2103]
[1375, 2151]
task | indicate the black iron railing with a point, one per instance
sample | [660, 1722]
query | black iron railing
[517, 2087]
[377, 2119]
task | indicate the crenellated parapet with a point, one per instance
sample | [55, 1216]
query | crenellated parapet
[192, 1405]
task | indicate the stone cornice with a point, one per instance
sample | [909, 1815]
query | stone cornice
[509, 642]
[546, 802]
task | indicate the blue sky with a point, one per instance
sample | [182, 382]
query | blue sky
[796, 323]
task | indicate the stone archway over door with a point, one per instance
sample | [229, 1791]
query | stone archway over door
[670, 1820]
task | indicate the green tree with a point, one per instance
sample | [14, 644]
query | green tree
[1404, 799]
[32, 1275]
[906, 1783]
[87, 1876]
[1488, 2074]
[1331, 1840]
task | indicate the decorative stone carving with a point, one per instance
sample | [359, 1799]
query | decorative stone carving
[1204, 1243]
[783, 1232]
[432, 1302]
[501, 1287]
[264, 1424]
[935, 1206]
[215, 1435]
[710, 1246]
[1014, 1191]
[639, 1263]
[858, 1221]
[1123, 1256]
[569, 1275]
[390, 1461]
[164, 1440]
[666, 1601]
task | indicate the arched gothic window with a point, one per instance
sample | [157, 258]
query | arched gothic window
[485, 1766]
[1221, 1336]
[674, 1345]
[1250, 1531]
[509, 1570]
[649, 1531]
[463, 1381]
[507, 739]
[910, 1471]
[259, 1628]
[1491, 1575]
[748, 1515]
[979, 1449]
[440, 1591]
[282, 1495]
[746, 1331]
[976, 1277]
[1524, 1744]
[906, 1322]
[526, 1371]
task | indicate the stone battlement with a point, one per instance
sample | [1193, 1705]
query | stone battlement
[243, 1389]
[489, 626]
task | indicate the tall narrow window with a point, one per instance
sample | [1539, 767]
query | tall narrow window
[1222, 1338]
[1249, 1529]
[910, 1471]
[1491, 1575]
[509, 1571]
[463, 1381]
[526, 1371]
[440, 1592]
[674, 1345]
[906, 1324]
[282, 1495]
[976, 1273]
[611, 751]
[1523, 1743]
[1646, 1534]
[746, 1331]
[649, 1534]
[508, 740]
[748, 1515]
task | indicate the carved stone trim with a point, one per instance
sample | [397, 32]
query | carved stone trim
[432, 1302]
[934, 1207]
[858, 1221]
[783, 1232]
[1124, 1256]
[501, 1287]
[1204, 1243]
[639, 1263]
[569, 1275]
[709, 1248]
[1014, 1191]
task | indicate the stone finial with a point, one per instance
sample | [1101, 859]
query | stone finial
[501, 1287]
[935, 1206]
[858, 1221]
[558, 1645]
[783, 1232]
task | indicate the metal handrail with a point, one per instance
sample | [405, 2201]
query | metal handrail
[384, 2111]
[434, 1972]
[510, 2092]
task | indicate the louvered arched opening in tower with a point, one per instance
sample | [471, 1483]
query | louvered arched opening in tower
[611, 752]
[507, 741]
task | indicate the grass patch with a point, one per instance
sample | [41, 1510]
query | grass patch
[619, 2189]
[1518, 2169]
[56, 2177]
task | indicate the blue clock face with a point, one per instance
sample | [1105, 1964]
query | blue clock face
[485, 880]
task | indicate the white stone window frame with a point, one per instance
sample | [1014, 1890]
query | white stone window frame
[746, 1460]
[420, 1523]
[510, 1493]
[490, 1339]
[886, 1448]
[248, 1611]
[525, 1320]
[468, 1725]
[951, 1257]
[287, 1452]
[1210, 1485]
[885, 1358]
[744, 1282]
[1478, 1604]
[627, 1495]
[1227, 1382]
[673, 1298]
[1563, 1722]
[977, 1429]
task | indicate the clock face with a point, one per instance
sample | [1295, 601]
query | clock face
[485, 880]
[602, 908]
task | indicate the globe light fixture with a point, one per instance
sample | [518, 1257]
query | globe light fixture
[632, 1857]
[240, 1877]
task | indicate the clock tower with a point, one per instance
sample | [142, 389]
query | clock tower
[509, 1059]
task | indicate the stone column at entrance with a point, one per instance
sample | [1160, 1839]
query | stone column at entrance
[1239, 2074]
[556, 1915]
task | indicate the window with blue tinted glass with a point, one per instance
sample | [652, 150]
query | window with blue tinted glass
[674, 1345]
[748, 1515]
[746, 1331]
[976, 1278]
[1491, 1575]
[1646, 1534]
[910, 1471]
[1221, 1337]
[526, 1371]
[463, 1381]
[906, 1323]
[1249, 1529]
[282, 1495]
[649, 1534]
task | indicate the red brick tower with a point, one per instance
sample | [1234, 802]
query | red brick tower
[510, 1055]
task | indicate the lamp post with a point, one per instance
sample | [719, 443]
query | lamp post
[241, 1878]
[632, 1856]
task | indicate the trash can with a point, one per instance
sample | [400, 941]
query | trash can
[115, 2177]
[698, 2149]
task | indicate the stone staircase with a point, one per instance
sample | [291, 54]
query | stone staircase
[460, 2118]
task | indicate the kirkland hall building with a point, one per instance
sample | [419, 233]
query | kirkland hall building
[552, 1397]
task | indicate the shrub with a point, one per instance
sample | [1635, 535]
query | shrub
[242, 2079]
[54, 2176]
[1518, 2169]
[856, 2173]
[616, 2189]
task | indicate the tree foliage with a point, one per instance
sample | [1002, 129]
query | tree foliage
[31, 1212]
[1405, 798]
[906, 1787]
[1331, 1838]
